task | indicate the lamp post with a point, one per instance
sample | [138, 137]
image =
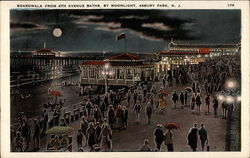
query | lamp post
[231, 96]
[106, 72]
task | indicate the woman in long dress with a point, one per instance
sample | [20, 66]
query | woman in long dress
[106, 136]
[91, 135]
[162, 103]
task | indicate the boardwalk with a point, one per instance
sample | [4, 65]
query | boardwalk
[132, 138]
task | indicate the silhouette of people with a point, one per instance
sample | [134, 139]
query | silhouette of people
[192, 137]
[159, 137]
[168, 140]
[37, 132]
[203, 136]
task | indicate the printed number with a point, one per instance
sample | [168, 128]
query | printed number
[230, 5]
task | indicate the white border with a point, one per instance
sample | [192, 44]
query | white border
[5, 79]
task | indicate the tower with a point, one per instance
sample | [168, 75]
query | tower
[171, 44]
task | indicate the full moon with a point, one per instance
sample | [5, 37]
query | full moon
[57, 32]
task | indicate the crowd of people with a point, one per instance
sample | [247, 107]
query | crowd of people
[101, 115]
[213, 75]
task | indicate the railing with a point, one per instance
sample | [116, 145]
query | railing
[110, 81]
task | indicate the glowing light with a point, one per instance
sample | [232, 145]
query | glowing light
[229, 99]
[221, 97]
[57, 32]
[231, 84]
[110, 73]
[199, 56]
[106, 66]
[239, 98]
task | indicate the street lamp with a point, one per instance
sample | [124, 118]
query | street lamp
[106, 72]
[231, 95]
[231, 84]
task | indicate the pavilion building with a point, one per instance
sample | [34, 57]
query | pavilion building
[120, 70]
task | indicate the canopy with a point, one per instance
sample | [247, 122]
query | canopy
[59, 130]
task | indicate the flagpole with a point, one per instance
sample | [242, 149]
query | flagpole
[125, 45]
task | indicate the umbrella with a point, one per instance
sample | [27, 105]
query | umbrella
[164, 93]
[189, 89]
[172, 125]
[56, 93]
[59, 130]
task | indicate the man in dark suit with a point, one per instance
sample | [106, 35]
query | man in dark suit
[159, 137]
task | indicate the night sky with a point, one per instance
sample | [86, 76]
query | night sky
[146, 30]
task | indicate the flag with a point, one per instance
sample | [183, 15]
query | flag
[120, 36]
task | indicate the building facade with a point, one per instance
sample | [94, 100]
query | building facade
[184, 54]
[121, 70]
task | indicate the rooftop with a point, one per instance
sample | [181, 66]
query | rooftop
[123, 57]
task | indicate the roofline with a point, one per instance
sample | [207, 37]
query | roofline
[120, 54]
[184, 53]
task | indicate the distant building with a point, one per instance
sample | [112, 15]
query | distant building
[183, 54]
[122, 69]
[221, 49]
[45, 52]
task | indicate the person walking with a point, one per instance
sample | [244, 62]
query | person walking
[129, 95]
[203, 136]
[168, 140]
[103, 107]
[215, 106]
[79, 138]
[164, 81]
[192, 137]
[36, 136]
[149, 111]
[98, 129]
[84, 126]
[159, 137]
[111, 116]
[182, 99]
[145, 147]
[145, 89]
[194, 86]
[207, 101]
[193, 102]
[198, 103]
[18, 142]
[135, 96]
[186, 98]
[125, 117]
[91, 136]
[118, 116]
[140, 97]
[137, 110]
[106, 137]
[26, 132]
[175, 99]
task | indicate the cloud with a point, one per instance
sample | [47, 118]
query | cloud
[157, 26]
[21, 26]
